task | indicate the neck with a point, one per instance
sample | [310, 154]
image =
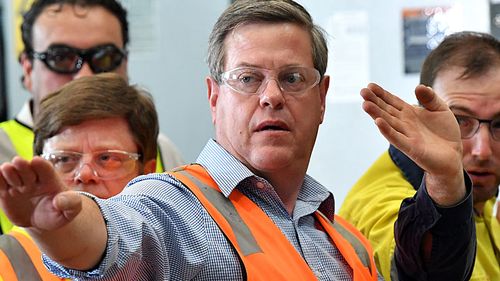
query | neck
[479, 208]
[287, 186]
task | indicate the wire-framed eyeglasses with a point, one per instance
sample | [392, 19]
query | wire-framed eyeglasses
[65, 59]
[106, 164]
[469, 126]
[252, 80]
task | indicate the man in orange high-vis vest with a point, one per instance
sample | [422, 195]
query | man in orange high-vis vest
[78, 123]
[246, 210]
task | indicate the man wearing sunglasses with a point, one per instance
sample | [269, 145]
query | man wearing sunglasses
[464, 70]
[86, 130]
[65, 40]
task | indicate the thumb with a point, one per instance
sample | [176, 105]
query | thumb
[69, 203]
[429, 99]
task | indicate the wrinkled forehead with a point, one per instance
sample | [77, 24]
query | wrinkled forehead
[478, 95]
[57, 10]
[76, 25]
[268, 45]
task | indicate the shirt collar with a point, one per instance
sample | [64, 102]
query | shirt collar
[224, 168]
[25, 115]
[228, 172]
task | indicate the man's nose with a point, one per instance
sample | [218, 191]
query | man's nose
[271, 94]
[86, 174]
[481, 143]
[84, 71]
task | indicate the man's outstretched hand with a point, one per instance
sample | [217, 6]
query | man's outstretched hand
[428, 134]
[32, 195]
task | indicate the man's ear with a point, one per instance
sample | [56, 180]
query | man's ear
[323, 89]
[212, 94]
[27, 68]
[150, 166]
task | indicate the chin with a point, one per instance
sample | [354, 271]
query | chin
[268, 160]
[483, 193]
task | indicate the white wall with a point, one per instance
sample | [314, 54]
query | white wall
[170, 62]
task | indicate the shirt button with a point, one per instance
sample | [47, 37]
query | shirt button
[260, 185]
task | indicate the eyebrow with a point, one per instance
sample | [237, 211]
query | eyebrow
[244, 64]
[469, 112]
[461, 109]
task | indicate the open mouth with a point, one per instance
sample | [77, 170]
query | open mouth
[480, 174]
[272, 126]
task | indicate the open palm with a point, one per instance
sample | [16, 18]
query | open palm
[428, 134]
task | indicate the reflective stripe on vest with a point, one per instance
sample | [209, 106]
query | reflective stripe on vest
[18, 259]
[7, 150]
[264, 250]
[25, 258]
[355, 248]
[394, 269]
[21, 137]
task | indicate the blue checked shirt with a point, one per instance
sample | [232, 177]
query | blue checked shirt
[158, 230]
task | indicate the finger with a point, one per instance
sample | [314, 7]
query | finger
[11, 176]
[390, 105]
[3, 186]
[393, 120]
[43, 169]
[386, 96]
[375, 107]
[395, 137]
[429, 99]
[14, 191]
[26, 174]
[69, 203]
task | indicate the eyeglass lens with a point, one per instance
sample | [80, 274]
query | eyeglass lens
[469, 126]
[67, 60]
[249, 80]
[105, 164]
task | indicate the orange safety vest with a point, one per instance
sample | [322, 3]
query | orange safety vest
[263, 249]
[20, 259]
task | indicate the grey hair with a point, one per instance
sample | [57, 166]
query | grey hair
[242, 12]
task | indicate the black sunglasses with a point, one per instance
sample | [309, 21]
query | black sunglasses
[68, 60]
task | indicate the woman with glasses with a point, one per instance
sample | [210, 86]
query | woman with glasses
[99, 133]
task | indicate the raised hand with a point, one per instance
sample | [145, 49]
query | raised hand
[428, 134]
[32, 195]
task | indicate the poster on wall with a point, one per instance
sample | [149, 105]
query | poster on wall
[423, 30]
[350, 57]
